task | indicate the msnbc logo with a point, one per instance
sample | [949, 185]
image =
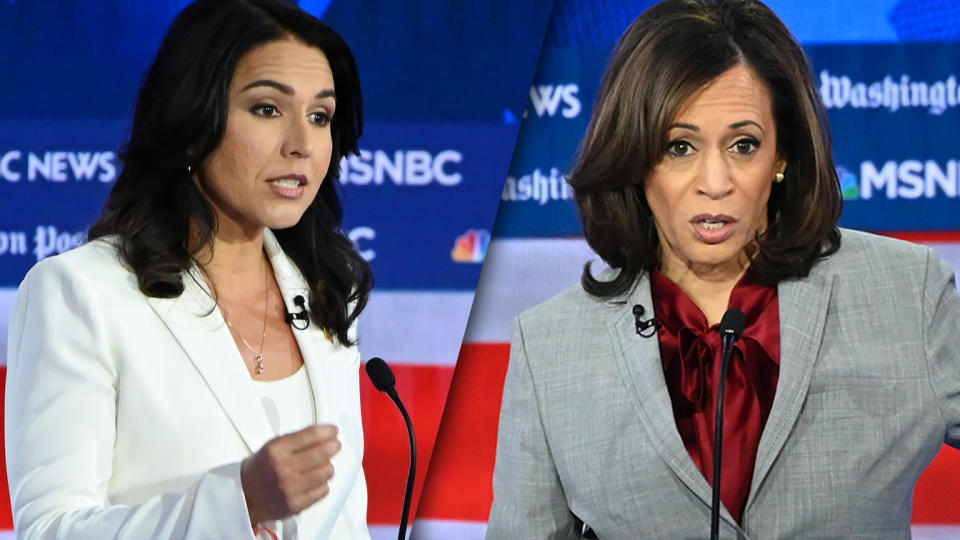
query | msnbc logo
[471, 246]
[908, 179]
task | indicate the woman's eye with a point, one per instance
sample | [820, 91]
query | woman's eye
[746, 147]
[320, 118]
[680, 148]
[265, 109]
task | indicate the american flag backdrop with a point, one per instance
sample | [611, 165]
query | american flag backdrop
[897, 159]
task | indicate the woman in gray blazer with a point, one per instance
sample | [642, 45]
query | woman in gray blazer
[706, 181]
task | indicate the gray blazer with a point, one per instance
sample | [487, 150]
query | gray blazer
[869, 391]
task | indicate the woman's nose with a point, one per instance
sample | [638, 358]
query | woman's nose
[297, 141]
[714, 176]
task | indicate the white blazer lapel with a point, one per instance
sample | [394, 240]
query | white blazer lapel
[198, 326]
[333, 371]
[332, 368]
[320, 355]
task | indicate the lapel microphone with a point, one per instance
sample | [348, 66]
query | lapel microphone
[731, 329]
[384, 381]
[301, 315]
[645, 328]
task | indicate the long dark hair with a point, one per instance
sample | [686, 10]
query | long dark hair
[668, 53]
[158, 215]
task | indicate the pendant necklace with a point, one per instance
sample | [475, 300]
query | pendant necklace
[258, 355]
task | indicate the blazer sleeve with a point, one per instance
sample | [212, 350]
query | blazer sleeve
[355, 506]
[61, 405]
[528, 498]
[356, 509]
[941, 309]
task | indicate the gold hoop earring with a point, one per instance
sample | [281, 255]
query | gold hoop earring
[777, 178]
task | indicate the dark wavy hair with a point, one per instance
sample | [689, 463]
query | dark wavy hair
[155, 210]
[666, 55]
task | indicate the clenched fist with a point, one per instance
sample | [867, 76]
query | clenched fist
[289, 473]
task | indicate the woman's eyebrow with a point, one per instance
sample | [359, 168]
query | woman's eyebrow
[734, 125]
[742, 123]
[287, 89]
[284, 88]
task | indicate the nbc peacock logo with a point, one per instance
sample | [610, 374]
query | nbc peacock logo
[849, 183]
[471, 247]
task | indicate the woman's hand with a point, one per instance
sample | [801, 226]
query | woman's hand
[289, 473]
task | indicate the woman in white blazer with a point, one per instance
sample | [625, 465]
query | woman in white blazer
[191, 371]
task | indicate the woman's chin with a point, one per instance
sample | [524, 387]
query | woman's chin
[718, 257]
[285, 221]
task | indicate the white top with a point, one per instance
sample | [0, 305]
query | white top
[289, 404]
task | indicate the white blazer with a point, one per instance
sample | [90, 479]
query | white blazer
[127, 417]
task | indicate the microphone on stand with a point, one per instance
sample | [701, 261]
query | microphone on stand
[384, 381]
[731, 329]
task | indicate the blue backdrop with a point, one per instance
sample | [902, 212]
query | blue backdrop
[444, 86]
[888, 72]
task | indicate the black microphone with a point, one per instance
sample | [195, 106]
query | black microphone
[384, 381]
[731, 328]
[302, 315]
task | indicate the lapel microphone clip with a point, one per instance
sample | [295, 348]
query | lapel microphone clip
[645, 328]
[303, 315]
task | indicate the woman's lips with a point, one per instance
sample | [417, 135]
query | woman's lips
[713, 229]
[289, 187]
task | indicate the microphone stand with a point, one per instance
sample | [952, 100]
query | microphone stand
[718, 440]
[731, 328]
[408, 493]
[383, 380]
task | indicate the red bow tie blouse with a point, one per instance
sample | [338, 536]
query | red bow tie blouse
[691, 350]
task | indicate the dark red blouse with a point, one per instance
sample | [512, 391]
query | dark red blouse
[691, 351]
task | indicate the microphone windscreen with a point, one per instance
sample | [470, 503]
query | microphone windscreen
[733, 323]
[380, 374]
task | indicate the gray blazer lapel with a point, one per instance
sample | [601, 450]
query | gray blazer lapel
[638, 360]
[205, 339]
[803, 312]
